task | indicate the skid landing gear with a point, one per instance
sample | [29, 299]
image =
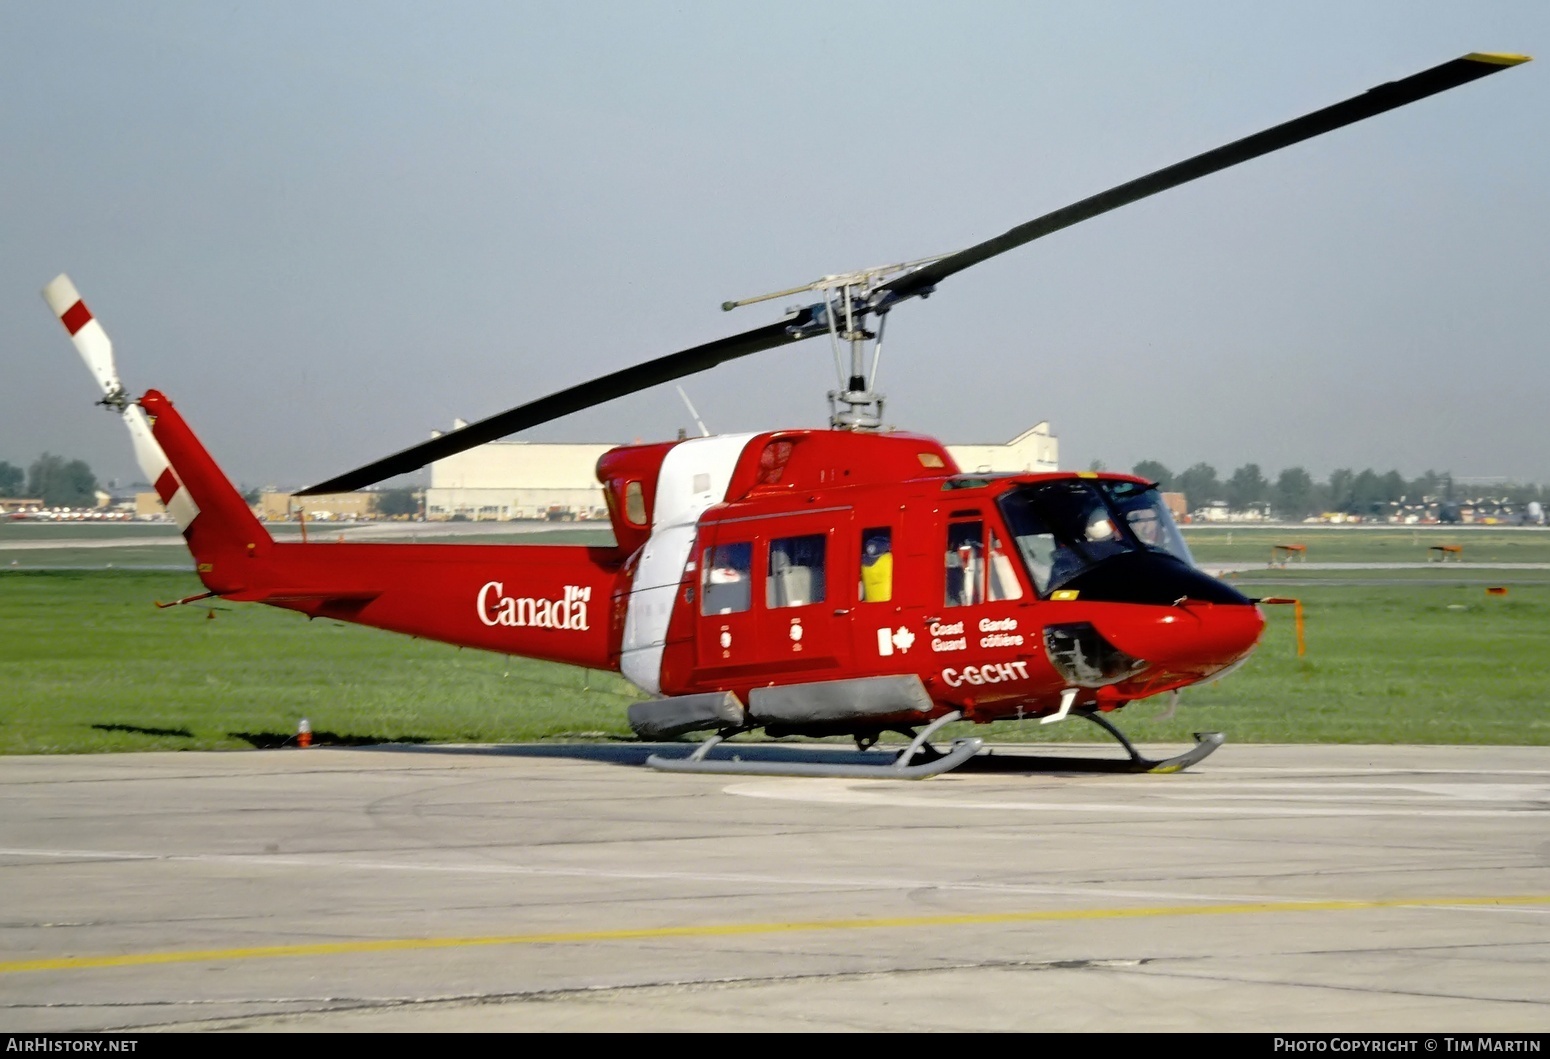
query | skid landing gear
[915, 762]
[1136, 762]
[1205, 744]
[920, 758]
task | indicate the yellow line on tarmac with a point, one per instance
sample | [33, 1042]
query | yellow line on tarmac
[342, 948]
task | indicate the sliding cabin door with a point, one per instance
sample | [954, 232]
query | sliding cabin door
[768, 591]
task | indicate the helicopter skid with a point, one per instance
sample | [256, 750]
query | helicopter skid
[920, 760]
[897, 769]
[917, 761]
[1205, 745]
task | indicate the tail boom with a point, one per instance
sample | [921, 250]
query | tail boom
[557, 602]
[561, 603]
[553, 602]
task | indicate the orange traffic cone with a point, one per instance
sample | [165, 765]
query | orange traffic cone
[304, 733]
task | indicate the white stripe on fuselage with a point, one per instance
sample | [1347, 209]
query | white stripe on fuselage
[679, 505]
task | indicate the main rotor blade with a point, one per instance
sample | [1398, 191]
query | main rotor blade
[1370, 103]
[584, 395]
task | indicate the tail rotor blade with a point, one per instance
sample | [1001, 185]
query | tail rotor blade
[91, 341]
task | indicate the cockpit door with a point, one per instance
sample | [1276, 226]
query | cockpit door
[982, 594]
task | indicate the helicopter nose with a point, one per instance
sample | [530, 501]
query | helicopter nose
[1189, 624]
[1191, 642]
[1152, 577]
[1192, 639]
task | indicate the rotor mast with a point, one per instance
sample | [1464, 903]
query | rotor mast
[848, 299]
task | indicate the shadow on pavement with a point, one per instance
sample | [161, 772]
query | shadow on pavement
[994, 761]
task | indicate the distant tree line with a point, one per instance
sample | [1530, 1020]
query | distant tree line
[390, 502]
[1295, 494]
[56, 481]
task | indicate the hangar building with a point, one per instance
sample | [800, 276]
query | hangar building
[538, 480]
[1035, 450]
[519, 479]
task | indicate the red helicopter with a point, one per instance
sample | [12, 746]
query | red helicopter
[848, 581]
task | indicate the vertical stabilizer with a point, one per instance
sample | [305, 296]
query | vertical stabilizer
[192, 471]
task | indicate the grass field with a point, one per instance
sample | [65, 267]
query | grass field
[1375, 544]
[87, 664]
[58, 532]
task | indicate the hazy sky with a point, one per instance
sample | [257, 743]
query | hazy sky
[326, 229]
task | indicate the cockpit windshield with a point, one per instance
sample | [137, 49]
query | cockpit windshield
[1065, 527]
[1148, 517]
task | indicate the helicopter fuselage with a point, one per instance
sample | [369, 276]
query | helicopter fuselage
[811, 560]
[835, 555]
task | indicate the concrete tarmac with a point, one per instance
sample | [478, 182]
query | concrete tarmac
[554, 888]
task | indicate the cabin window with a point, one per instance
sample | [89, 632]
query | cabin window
[726, 579]
[876, 565]
[1001, 572]
[965, 563]
[773, 460]
[977, 573]
[796, 572]
[634, 504]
